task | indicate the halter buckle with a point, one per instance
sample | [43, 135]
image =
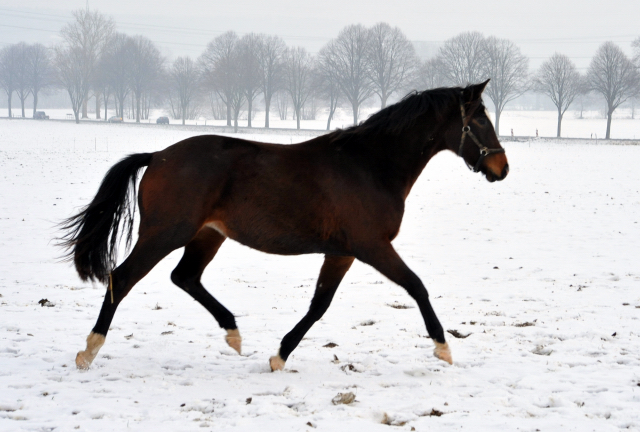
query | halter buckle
[466, 128]
[484, 151]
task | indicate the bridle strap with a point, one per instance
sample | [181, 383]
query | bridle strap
[466, 130]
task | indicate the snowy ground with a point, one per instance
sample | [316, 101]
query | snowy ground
[541, 270]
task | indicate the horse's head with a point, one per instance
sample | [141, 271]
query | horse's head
[477, 142]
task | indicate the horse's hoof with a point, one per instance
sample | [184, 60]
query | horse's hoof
[276, 363]
[443, 352]
[85, 358]
[82, 362]
[234, 340]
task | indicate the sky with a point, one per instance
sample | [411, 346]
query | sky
[539, 28]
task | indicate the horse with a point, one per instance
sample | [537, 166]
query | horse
[341, 194]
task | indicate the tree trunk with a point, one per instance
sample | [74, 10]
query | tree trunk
[76, 113]
[184, 113]
[22, 106]
[497, 125]
[267, 104]
[332, 109]
[249, 107]
[297, 118]
[609, 115]
[106, 102]
[35, 102]
[235, 122]
[559, 122]
[9, 104]
[383, 100]
[84, 108]
[354, 106]
[137, 108]
[98, 105]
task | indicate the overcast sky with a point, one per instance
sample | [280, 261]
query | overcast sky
[183, 27]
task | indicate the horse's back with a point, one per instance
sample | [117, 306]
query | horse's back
[285, 199]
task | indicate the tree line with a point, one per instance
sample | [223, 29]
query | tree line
[234, 73]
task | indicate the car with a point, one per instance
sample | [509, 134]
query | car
[40, 115]
[115, 119]
[162, 120]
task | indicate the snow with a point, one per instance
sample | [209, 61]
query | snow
[540, 269]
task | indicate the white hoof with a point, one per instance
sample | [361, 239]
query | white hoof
[234, 340]
[443, 352]
[276, 363]
[86, 357]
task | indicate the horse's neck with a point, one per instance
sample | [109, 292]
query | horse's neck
[410, 153]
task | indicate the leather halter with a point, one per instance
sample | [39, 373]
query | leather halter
[466, 130]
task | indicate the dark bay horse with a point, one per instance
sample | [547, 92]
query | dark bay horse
[341, 194]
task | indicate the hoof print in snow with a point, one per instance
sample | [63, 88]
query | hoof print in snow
[330, 345]
[46, 302]
[367, 323]
[166, 333]
[457, 334]
[248, 401]
[524, 324]
[343, 398]
[350, 367]
[541, 350]
[400, 306]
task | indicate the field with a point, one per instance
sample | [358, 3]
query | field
[540, 271]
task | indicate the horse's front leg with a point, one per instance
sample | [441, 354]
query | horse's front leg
[331, 274]
[386, 260]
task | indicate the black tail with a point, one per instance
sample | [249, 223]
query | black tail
[94, 233]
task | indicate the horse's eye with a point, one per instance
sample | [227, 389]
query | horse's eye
[482, 121]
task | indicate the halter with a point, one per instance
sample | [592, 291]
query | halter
[466, 130]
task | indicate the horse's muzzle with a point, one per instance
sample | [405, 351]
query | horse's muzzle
[491, 176]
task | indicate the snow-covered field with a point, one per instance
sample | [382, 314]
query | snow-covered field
[541, 271]
[592, 125]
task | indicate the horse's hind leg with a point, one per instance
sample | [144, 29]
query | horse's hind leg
[331, 274]
[148, 251]
[197, 254]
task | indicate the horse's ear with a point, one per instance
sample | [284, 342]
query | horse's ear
[473, 92]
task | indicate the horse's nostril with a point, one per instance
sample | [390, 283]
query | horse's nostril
[505, 171]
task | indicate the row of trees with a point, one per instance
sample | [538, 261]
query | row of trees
[234, 73]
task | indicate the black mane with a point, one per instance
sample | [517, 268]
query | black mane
[400, 116]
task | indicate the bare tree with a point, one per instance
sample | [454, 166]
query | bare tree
[393, 60]
[118, 68]
[326, 82]
[8, 64]
[282, 103]
[559, 79]
[614, 76]
[270, 56]
[144, 69]
[250, 76]
[185, 81]
[508, 70]
[71, 74]
[636, 51]
[89, 34]
[101, 83]
[40, 71]
[462, 58]
[347, 56]
[219, 66]
[22, 81]
[430, 75]
[298, 70]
